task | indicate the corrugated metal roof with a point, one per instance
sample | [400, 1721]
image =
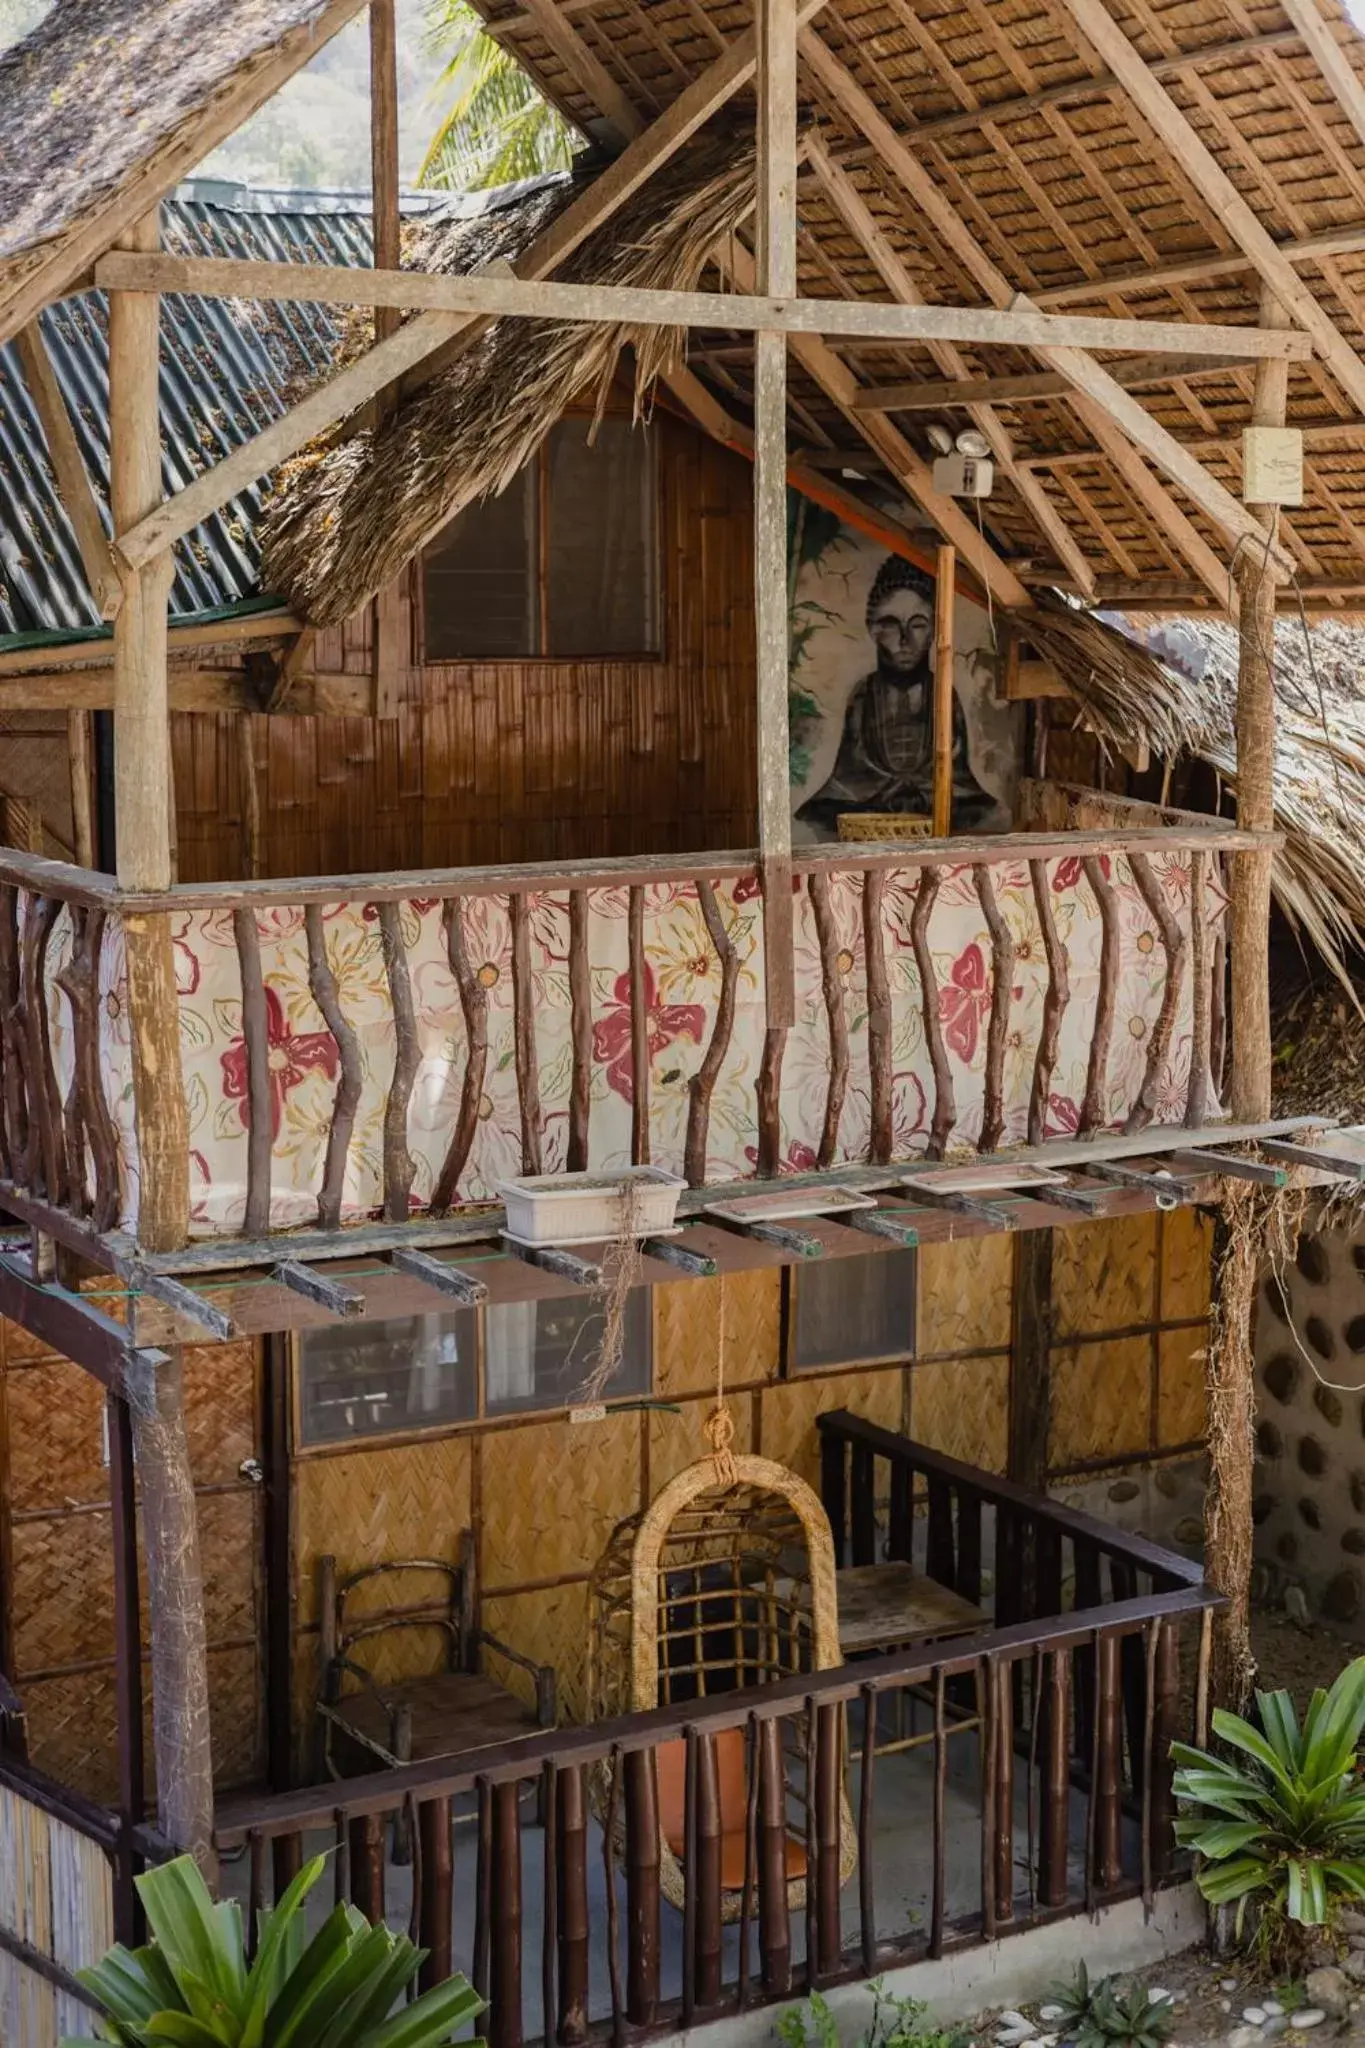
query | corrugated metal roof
[227, 369]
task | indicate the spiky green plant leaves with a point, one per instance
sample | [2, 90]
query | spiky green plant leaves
[191, 1986]
[494, 126]
[1279, 1821]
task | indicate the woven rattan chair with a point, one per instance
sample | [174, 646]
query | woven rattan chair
[437, 1713]
[714, 1588]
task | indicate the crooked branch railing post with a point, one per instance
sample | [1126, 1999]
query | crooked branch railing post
[62, 1151]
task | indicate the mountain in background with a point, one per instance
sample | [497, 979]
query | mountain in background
[316, 131]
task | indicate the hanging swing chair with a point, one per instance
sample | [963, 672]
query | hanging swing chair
[725, 1581]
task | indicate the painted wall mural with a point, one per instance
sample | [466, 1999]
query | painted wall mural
[861, 687]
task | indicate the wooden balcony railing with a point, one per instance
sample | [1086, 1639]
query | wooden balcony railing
[397, 1044]
[1050, 1733]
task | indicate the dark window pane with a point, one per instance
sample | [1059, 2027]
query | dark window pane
[417, 1372]
[602, 546]
[480, 576]
[537, 1354]
[847, 1309]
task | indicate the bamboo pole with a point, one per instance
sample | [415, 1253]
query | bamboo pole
[79, 742]
[775, 258]
[142, 766]
[945, 591]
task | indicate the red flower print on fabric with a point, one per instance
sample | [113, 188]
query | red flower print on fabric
[663, 1023]
[291, 1055]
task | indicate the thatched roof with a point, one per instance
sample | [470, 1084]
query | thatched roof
[348, 517]
[1180, 698]
[99, 95]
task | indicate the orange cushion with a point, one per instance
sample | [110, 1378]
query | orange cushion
[671, 1763]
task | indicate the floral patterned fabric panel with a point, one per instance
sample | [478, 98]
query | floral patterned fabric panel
[681, 980]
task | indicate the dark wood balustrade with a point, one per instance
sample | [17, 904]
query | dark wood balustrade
[65, 1143]
[1067, 1716]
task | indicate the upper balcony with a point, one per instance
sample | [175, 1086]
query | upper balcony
[394, 1046]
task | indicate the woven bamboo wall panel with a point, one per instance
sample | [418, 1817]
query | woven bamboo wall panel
[229, 1545]
[527, 760]
[394, 1500]
[236, 1716]
[1101, 1400]
[961, 1406]
[73, 1726]
[220, 1409]
[61, 1591]
[1182, 1413]
[22, 1347]
[788, 1410]
[54, 1425]
[964, 1295]
[687, 1331]
[551, 1625]
[1103, 1274]
[676, 1441]
[552, 1493]
[1186, 1249]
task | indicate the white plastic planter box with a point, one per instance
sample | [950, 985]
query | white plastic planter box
[588, 1208]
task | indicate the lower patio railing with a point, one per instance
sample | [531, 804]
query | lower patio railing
[935, 1797]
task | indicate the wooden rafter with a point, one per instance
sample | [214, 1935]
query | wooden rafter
[68, 468]
[1219, 193]
[1116, 421]
[588, 72]
[1197, 270]
[1034, 384]
[858, 218]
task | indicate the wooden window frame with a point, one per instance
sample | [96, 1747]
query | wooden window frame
[904, 1356]
[654, 656]
[477, 1423]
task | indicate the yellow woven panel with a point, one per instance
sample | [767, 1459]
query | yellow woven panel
[1181, 1412]
[398, 1500]
[1102, 1274]
[787, 1431]
[962, 1407]
[21, 1345]
[676, 1441]
[687, 1331]
[228, 1548]
[1186, 1246]
[237, 1717]
[1101, 1400]
[552, 1492]
[72, 1723]
[54, 1415]
[964, 1294]
[62, 1597]
[220, 1409]
[552, 1626]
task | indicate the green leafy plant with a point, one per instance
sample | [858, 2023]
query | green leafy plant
[494, 127]
[1103, 2015]
[1280, 1825]
[192, 1987]
[895, 2023]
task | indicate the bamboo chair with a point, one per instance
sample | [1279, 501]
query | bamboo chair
[716, 1587]
[432, 1714]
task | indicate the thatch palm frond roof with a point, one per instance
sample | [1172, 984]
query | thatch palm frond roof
[346, 518]
[1176, 689]
[110, 97]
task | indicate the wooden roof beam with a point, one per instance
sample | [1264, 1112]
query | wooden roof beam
[548, 19]
[1219, 193]
[840, 386]
[1196, 270]
[74, 488]
[429, 336]
[1037, 384]
[236, 101]
[1115, 420]
[857, 216]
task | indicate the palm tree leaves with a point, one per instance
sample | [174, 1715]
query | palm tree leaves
[495, 127]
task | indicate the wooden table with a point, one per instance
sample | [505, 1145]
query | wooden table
[882, 1606]
[888, 1606]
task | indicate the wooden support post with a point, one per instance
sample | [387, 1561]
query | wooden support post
[132, 1774]
[81, 747]
[775, 78]
[384, 177]
[945, 590]
[142, 773]
[1249, 904]
[175, 1600]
